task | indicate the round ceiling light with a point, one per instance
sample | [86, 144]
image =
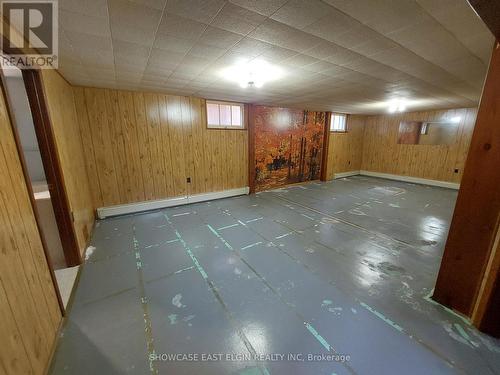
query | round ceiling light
[254, 73]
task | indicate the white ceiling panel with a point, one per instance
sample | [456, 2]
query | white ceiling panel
[347, 56]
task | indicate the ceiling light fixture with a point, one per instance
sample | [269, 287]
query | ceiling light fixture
[455, 119]
[253, 73]
[397, 105]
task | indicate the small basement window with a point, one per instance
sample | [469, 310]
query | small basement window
[225, 115]
[338, 123]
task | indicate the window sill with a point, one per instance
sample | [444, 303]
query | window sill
[225, 128]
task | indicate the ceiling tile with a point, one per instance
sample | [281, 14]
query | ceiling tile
[95, 58]
[94, 8]
[160, 72]
[173, 43]
[82, 23]
[181, 27]
[133, 15]
[285, 36]
[216, 37]
[205, 51]
[385, 16]
[323, 50]
[251, 47]
[236, 19]
[88, 41]
[201, 11]
[277, 54]
[155, 4]
[130, 53]
[299, 60]
[132, 35]
[481, 45]
[154, 78]
[301, 13]
[335, 54]
[163, 59]
[192, 66]
[332, 24]
[264, 7]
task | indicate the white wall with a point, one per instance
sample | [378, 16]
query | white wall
[24, 124]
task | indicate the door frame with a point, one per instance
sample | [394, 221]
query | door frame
[52, 166]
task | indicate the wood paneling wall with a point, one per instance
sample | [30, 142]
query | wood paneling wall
[345, 150]
[143, 146]
[472, 237]
[382, 153]
[63, 116]
[29, 310]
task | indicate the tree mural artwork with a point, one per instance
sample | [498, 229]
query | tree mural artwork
[288, 146]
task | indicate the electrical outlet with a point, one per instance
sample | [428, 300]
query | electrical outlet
[456, 170]
[188, 180]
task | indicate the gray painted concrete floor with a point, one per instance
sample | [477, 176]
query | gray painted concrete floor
[341, 268]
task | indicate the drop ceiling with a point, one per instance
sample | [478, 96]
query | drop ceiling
[349, 56]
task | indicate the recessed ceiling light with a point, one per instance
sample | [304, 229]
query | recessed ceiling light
[253, 73]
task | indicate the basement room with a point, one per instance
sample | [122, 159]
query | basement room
[250, 187]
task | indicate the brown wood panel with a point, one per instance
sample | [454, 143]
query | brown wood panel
[345, 150]
[106, 147]
[86, 136]
[166, 146]
[477, 212]
[251, 148]
[29, 311]
[132, 145]
[176, 139]
[143, 146]
[187, 139]
[118, 147]
[200, 178]
[382, 153]
[65, 125]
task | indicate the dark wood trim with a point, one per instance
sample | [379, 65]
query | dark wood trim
[476, 218]
[490, 281]
[251, 148]
[326, 143]
[31, 195]
[489, 11]
[52, 166]
[489, 322]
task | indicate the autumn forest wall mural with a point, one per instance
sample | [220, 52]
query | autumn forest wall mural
[288, 146]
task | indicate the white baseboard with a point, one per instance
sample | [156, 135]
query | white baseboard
[346, 174]
[130, 208]
[415, 180]
[218, 195]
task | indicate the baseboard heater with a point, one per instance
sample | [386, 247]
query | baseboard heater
[415, 180]
[130, 208]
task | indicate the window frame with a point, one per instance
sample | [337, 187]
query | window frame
[345, 115]
[226, 127]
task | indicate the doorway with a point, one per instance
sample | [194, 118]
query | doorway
[36, 147]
